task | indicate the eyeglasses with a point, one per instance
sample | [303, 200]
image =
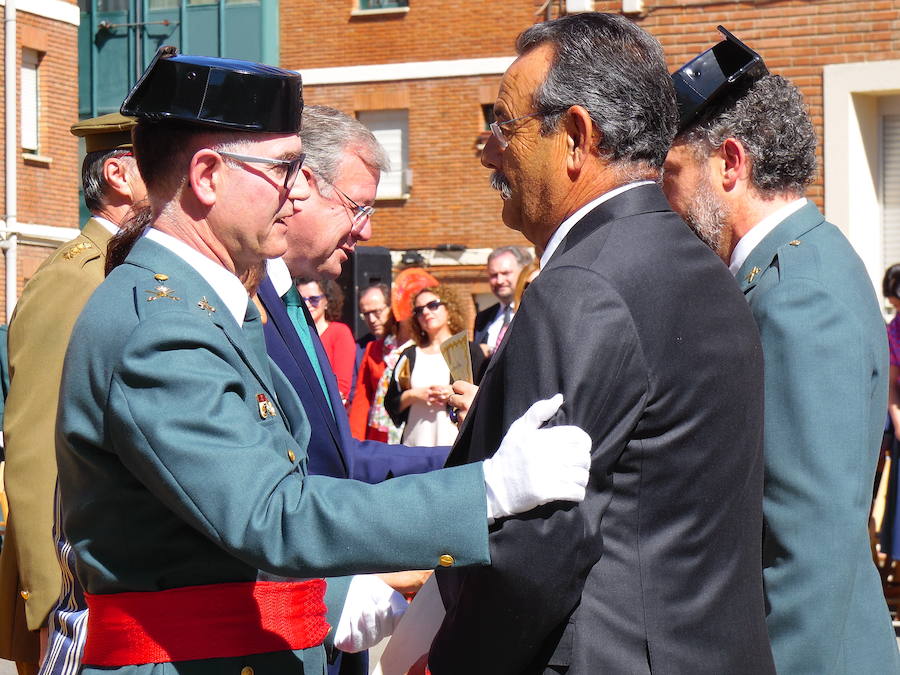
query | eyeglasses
[313, 300]
[361, 211]
[291, 166]
[430, 306]
[373, 313]
[502, 140]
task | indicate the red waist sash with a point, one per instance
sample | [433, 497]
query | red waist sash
[203, 622]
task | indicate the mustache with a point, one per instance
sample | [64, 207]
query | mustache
[501, 184]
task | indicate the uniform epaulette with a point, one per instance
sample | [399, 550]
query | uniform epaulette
[795, 258]
[74, 251]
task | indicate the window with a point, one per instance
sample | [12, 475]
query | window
[382, 4]
[860, 149]
[391, 128]
[890, 179]
[30, 101]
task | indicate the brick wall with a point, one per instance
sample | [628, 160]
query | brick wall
[450, 201]
[795, 38]
[317, 34]
[47, 185]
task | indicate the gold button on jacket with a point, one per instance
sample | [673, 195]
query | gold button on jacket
[446, 560]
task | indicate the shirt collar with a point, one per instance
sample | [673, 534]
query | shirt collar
[108, 225]
[572, 220]
[758, 232]
[226, 285]
[279, 275]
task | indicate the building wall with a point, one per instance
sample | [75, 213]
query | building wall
[47, 180]
[450, 200]
[316, 34]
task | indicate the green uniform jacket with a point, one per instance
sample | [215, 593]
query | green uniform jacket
[171, 477]
[38, 335]
[826, 365]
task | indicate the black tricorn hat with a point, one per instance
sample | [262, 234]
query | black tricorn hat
[214, 92]
[728, 67]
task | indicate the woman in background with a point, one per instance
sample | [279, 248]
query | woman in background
[420, 384]
[324, 300]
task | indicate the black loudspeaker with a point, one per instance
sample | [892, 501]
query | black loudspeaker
[367, 266]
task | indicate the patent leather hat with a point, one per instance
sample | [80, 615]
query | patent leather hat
[728, 67]
[214, 92]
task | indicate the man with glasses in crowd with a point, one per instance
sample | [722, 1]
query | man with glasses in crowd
[657, 571]
[367, 422]
[342, 167]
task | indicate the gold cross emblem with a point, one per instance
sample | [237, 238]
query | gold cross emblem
[161, 291]
[204, 304]
[755, 271]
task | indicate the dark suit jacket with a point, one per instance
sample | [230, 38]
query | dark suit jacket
[649, 338]
[482, 321]
[332, 449]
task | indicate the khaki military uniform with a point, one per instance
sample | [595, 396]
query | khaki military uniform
[29, 568]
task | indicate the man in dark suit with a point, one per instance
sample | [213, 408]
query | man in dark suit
[648, 336]
[503, 267]
[737, 173]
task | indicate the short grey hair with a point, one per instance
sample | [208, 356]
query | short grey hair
[771, 121]
[617, 72]
[93, 181]
[522, 256]
[327, 134]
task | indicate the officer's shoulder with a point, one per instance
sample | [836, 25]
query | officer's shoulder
[73, 255]
[799, 258]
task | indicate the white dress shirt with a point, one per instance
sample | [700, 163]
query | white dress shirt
[493, 329]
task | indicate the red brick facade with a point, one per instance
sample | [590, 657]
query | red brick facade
[47, 180]
[450, 200]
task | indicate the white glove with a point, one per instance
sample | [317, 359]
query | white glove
[534, 466]
[371, 612]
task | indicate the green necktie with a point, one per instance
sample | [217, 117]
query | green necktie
[294, 305]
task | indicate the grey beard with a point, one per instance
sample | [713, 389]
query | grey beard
[499, 183]
[707, 217]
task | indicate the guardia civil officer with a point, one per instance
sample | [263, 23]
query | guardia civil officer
[183, 465]
[737, 173]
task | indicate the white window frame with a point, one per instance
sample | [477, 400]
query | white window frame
[851, 101]
[358, 9]
[30, 101]
[391, 128]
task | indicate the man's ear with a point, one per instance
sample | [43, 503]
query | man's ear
[205, 175]
[116, 174]
[581, 137]
[734, 163]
